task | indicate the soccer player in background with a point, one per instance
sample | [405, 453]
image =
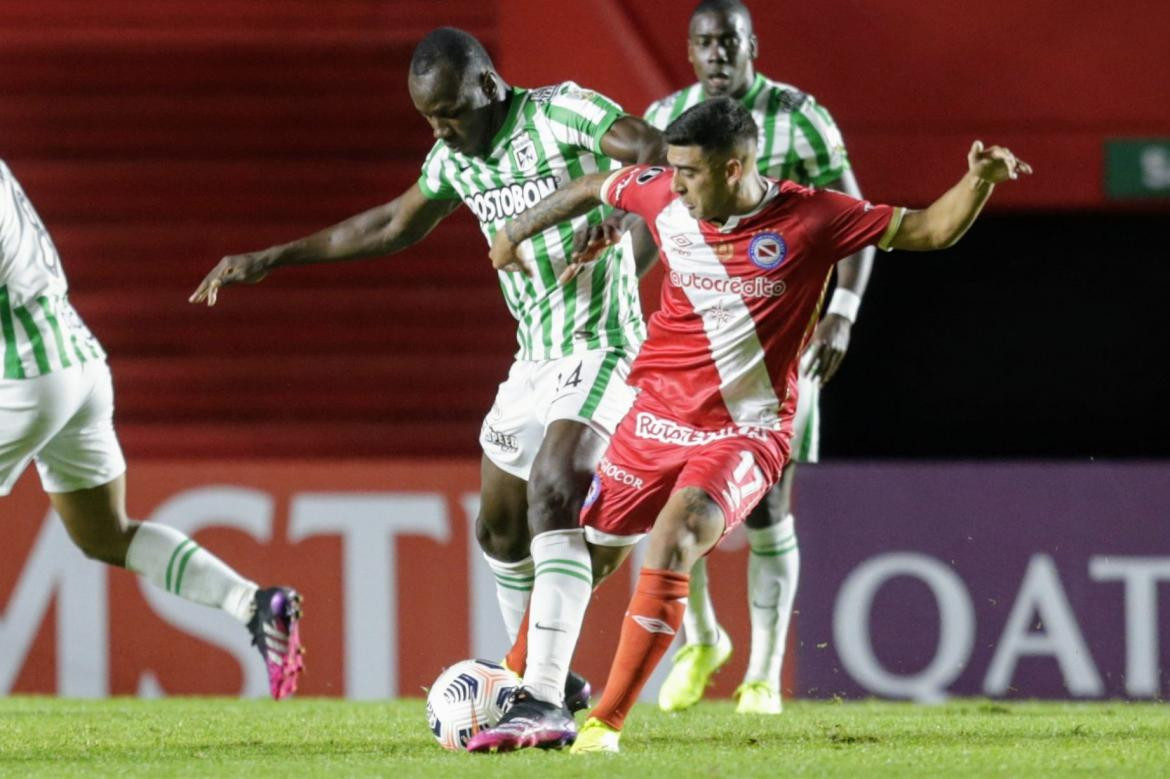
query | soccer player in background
[798, 141]
[57, 407]
[747, 262]
[500, 149]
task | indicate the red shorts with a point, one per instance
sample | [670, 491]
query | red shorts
[650, 457]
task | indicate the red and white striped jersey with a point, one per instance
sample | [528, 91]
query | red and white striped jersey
[740, 300]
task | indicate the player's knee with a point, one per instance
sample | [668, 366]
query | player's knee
[105, 548]
[690, 525]
[554, 498]
[503, 539]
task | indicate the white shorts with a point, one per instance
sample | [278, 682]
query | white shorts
[589, 387]
[806, 425]
[65, 420]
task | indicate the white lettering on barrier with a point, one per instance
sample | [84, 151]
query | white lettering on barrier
[55, 568]
[1141, 576]
[851, 633]
[368, 524]
[1042, 595]
[249, 511]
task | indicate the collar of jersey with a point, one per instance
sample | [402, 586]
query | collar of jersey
[748, 96]
[734, 220]
[510, 120]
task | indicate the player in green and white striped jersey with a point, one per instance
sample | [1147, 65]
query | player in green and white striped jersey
[500, 150]
[798, 140]
[42, 333]
[57, 408]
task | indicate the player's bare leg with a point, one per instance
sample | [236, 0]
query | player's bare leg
[687, 528]
[96, 520]
[562, 586]
[502, 531]
[773, 572]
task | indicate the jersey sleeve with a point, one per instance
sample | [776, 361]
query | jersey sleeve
[433, 181]
[580, 118]
[658, 113]
[845, 224]
[818, 143]
[641, 189]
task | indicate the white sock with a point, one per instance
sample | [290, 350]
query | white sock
[773, 569]
[699, 619]
[171, 560]
[560, 594]
[513, 590]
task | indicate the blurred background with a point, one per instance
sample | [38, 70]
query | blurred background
[155, 137]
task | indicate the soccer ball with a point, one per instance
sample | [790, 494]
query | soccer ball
[466, 698]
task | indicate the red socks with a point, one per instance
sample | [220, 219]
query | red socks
[517, 657]
[653, 618]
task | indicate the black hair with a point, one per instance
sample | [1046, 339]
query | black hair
[719, 124]
[722, 7]
[449, 47]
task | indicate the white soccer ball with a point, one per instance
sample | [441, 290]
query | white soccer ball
[466, 698]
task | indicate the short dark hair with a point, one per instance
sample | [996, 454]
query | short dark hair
[719, 124]
[450, 47]
[722, 7]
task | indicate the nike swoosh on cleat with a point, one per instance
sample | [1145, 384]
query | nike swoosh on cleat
[542, 627]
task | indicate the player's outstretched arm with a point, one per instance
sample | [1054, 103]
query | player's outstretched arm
[633, 141]
[945, 220]
[575, 199]
[386, 229]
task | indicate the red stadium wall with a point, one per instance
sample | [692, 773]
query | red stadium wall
[910, 83]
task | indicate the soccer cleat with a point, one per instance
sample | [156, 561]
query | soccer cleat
[694, 665]
[276, 632]
[527, 722]
[757, 698]
[596, 736]
[577, 692]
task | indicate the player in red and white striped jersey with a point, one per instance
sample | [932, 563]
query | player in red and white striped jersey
[748, 259]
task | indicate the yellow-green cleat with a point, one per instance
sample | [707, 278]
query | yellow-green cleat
[757, 698]
[596, 736]
[694, 665]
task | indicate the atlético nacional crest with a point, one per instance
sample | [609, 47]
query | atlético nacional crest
[525, 154]
[767, 250]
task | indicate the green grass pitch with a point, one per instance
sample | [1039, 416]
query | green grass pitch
[316, 737]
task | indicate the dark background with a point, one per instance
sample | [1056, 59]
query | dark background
[1038, 335]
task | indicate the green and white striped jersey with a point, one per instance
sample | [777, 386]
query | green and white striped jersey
[41, 331]
[550, 137]
[798, 140]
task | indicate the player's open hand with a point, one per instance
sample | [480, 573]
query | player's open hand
[233, 269]
[505, 254]
[827, 348]
[995, 163]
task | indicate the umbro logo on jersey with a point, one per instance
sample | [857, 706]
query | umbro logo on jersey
[767, 250]
[653, 624]
[681, 241]
[648, 175]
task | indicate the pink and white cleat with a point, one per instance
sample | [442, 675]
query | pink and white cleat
[276, 632]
